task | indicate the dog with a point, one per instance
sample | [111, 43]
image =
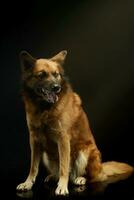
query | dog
[59, 130]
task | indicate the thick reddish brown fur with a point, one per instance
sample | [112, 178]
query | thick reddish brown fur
[62, 136]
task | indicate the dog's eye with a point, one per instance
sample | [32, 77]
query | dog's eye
[55, 74]
[41, 75]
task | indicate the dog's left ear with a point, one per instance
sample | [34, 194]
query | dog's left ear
[60, 57]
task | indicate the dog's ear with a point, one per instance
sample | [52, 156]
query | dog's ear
[60, 57]
[27, 61]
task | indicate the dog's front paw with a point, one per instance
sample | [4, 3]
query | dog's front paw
[61, 190]
[62, 187]
[27, 185]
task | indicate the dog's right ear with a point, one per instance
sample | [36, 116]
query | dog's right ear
[26, 60]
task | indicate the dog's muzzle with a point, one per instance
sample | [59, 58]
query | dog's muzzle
[49, 95]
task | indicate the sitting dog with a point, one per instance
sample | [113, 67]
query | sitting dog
[59, 129]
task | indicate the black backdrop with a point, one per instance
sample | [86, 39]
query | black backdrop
[98, 36]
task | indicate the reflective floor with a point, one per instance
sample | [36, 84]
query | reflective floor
[123, 189]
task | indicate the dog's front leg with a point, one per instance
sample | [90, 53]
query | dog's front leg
[35, 160]
[64, 162]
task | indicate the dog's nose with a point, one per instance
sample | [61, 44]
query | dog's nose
[56, 88]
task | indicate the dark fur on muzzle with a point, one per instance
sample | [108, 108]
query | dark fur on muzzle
[49, 94]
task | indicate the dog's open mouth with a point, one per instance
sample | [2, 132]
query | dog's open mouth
[49, 96]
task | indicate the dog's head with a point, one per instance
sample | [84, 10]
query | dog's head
[43, 77]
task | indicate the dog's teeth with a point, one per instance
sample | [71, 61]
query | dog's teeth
[42, 89]
[57, 98]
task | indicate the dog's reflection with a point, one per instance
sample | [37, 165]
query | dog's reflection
[26, 194]
[99, 187]
[90, 189]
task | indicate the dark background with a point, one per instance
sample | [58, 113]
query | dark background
[99, 38]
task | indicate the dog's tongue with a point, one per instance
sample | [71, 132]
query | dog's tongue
[51, 97]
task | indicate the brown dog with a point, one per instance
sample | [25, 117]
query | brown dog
[59, 128]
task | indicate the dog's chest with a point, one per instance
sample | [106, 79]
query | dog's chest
[45, 127]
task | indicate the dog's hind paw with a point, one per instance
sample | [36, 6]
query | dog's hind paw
[48, 178]
[80, 181]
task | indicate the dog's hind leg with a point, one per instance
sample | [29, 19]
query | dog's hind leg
[94, 169]
[52, 168]
[79, 169]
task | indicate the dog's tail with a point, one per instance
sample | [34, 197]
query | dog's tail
[115, 168]
[114, 171]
